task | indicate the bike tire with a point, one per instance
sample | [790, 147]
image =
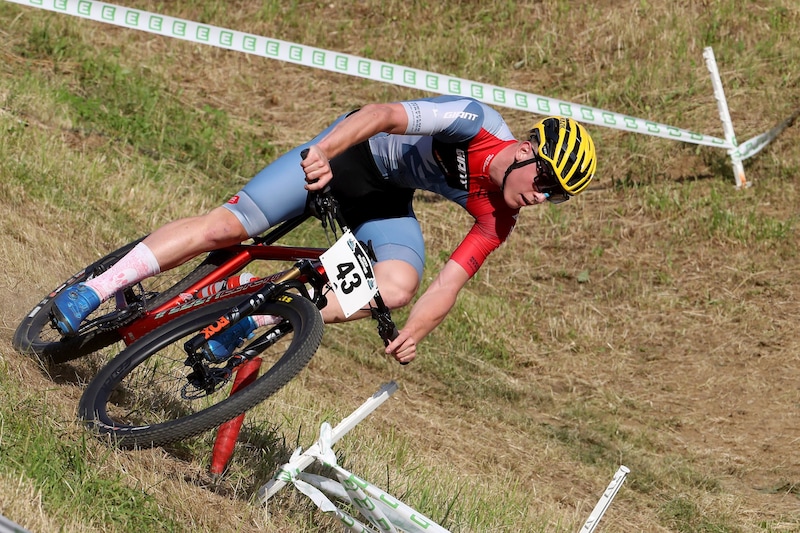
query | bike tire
[34, 335]
[138, 399]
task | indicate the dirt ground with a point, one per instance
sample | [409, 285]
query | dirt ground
[690, 341]
[721, 388]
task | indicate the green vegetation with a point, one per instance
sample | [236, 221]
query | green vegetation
[651, 322]
[68, 473]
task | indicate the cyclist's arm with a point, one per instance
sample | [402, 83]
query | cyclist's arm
[355, 128]
[429, 310]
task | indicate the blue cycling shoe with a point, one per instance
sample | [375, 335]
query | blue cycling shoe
[72, 306]
[223, 344]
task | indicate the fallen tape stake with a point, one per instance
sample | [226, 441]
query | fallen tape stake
[307, 459]
[384, 72]
[381, 510]
[725, 117]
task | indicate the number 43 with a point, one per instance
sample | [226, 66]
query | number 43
[343, 271]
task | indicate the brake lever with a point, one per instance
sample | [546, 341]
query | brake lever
[387, 329]
[323, 207]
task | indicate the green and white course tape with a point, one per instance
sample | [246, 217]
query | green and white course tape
[403, 76]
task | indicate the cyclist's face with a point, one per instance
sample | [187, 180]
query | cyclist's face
[520, 190]
[547, 183]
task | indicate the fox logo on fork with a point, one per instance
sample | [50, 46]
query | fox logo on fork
[216, 327]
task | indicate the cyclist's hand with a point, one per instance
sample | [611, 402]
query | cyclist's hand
[317, 168]
[403, 348]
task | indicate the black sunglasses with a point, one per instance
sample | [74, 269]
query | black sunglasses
[547, 183]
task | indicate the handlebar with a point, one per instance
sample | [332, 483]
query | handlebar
[326, 208]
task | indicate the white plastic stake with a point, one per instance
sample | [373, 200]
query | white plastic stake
[725, 116]
[605, 500]
[307, 458]
[7, 526]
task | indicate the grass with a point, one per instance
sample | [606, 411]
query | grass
[100, 100]
[65, 471]
[648, 323]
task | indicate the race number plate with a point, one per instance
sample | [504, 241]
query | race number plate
[350, 273]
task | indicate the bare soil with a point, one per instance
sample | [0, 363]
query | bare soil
[689, 341]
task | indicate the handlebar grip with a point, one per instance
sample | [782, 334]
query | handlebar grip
[392, 336]
[303, 155]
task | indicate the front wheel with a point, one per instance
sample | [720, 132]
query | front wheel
[36, 335]
[148, 396]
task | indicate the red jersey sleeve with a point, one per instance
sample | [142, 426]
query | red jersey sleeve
[494, 221]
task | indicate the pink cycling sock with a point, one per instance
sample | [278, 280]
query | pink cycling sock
[266, 320]
[138, 264]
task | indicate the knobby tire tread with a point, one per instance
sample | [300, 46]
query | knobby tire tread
[308, 327]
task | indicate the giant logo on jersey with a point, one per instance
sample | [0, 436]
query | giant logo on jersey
[453, 162]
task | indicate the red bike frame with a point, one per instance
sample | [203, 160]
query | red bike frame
[240, 256]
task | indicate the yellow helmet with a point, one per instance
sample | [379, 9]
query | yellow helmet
[569, 149]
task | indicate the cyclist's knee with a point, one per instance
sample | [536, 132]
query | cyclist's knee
[222, 228]
[398, 282]
[395, 299]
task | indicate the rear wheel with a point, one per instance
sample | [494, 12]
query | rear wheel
[148, 396]
[35, 335]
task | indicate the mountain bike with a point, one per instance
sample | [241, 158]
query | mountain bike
[165, 386]
[134, 312]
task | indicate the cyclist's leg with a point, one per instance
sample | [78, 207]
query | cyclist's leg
[167, 247]
[180, 240]
[275, 194]
[380, 212]
[277, 190]
[400, 253]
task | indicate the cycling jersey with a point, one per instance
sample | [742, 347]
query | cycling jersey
[447, 149]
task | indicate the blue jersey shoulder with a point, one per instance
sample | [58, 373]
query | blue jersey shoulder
[452, 119]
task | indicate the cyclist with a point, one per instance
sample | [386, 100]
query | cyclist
[374, 159]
